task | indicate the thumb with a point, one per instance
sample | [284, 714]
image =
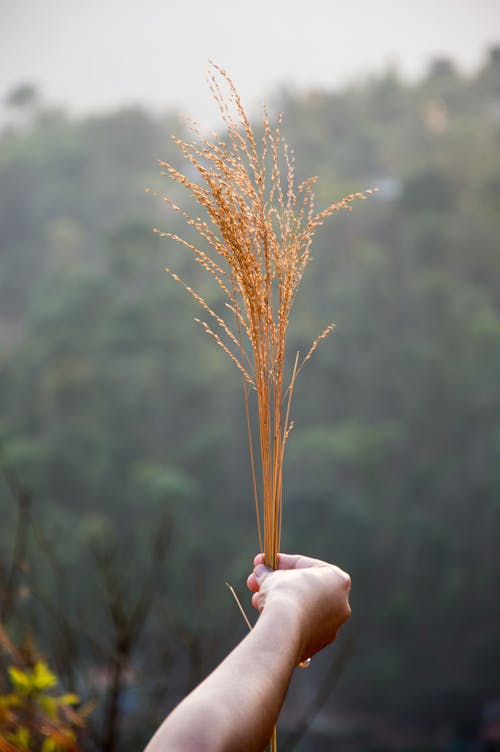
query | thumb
[261, 572]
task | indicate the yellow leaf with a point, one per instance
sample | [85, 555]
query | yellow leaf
[10, 700]
[21, 681]
[49, 745]
[68, 699]
[48, 705]
[21, 737]
[43, 678]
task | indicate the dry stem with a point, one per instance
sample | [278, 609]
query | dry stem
[256, 242]
[256, 246]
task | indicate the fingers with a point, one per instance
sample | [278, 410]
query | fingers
[296, 561]
[252, 583]
[285, 561]
[260, 572]
[292, 561]
[254, 587]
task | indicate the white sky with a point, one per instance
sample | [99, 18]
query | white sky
[98, 54]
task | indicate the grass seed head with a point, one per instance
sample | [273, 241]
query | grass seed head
[255, 240]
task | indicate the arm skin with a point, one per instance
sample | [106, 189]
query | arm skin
[302, 606]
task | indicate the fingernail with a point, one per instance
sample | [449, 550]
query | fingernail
[261, 571]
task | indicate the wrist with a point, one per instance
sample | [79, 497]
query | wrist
[282, 617]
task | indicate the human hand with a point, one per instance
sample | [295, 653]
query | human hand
[316, 592]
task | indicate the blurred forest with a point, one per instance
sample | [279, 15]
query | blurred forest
[125, 487]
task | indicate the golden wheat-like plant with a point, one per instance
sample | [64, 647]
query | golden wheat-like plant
[256, 233]
[256, 239]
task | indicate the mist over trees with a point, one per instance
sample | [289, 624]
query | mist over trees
[125, 473]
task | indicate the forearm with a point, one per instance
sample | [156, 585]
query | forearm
[237, 706]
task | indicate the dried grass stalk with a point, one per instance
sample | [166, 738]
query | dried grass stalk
[255, 242]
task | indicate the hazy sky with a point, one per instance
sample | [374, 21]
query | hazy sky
[97, 54]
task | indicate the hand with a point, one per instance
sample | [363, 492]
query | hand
[315, 591]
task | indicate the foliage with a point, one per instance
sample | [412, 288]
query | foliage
[32, 717]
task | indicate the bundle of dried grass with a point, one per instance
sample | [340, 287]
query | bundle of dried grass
[256, 237]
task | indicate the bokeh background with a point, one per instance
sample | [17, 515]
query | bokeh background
[125, 489]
